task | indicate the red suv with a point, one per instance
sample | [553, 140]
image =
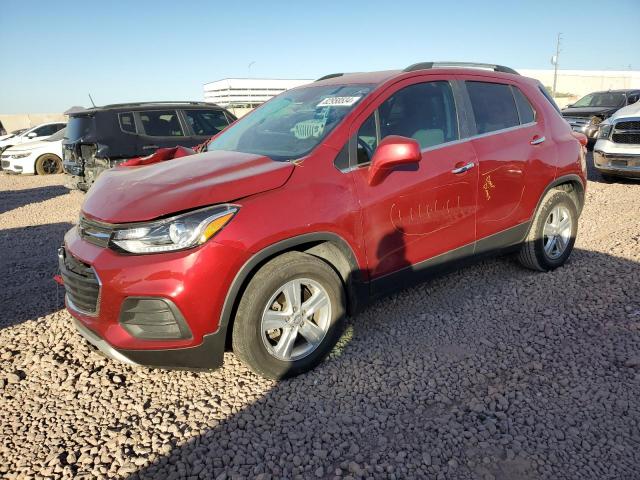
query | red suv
[326, 197]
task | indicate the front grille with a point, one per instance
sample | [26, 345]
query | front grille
[632, 125]
[95, 232]
[626, 132]
[80, 283]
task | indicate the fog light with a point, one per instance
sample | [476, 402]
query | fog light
[153, 319]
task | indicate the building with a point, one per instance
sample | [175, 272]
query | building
[574, 84]
[243, 94]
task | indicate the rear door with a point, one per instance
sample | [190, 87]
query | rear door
[508, 142]
[417, 214]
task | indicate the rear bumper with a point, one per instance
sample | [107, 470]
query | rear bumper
[206, 356]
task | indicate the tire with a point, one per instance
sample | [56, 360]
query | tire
[48, 164]
[553, 208]
[264, 303]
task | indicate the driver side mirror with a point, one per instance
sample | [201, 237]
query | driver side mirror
[393, 152]
[32, 134]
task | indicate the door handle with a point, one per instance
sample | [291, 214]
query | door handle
[463, 168]
[537, 140]
[147, 147]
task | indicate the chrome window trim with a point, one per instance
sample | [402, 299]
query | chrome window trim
[452, 142]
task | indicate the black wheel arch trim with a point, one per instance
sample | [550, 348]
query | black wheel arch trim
[569, 178]
[357, 289]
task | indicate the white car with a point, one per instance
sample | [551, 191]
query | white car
[617, 151]
[43, 157]
[40, 132]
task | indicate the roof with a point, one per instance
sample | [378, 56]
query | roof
[138, 105]
[377, 78]
[619, 90]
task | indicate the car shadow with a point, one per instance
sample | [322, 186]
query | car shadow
[447, 391]
[12, 199]
[28, 263]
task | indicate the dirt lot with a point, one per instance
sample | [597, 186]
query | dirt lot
[490, 372]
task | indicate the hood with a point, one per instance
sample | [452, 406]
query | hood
[135, 194]
[632, 110]
[26, 146]
[587, 111]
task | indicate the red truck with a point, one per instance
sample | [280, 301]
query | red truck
[324, 198]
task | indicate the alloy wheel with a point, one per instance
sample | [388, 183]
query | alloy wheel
[557, 232]
[296, 319]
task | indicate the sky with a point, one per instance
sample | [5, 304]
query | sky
[52, 54]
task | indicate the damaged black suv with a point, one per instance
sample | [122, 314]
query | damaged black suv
[102, 137]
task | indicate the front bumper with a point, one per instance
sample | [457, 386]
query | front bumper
[12, 165]
[195, 281]
[206, 356]
[619, 164]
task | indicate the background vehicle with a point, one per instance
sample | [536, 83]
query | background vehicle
[617, 151]
[43, 157]
[39, 132]
[100, 138]
[585, 115]
[327, 196]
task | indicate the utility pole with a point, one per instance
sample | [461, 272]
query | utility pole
[554, 61]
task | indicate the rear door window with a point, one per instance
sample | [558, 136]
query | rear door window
[161, 123]
[494, 107]
[206, 122]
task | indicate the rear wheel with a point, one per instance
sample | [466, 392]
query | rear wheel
[288, 317]
[552, 233]
[48, 164]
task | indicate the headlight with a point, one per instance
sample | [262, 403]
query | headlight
[604, 131]
[176, 233]
[21, 155]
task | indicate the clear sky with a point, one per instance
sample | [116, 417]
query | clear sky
[53, 53]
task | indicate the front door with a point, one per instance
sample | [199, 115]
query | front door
[418, 214]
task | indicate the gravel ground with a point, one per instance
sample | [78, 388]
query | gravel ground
[490, 372]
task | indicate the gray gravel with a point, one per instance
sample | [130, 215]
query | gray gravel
[490, 372]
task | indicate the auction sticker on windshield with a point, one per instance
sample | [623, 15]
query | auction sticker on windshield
[338, 101]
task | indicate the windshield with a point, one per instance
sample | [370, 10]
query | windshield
[601, 99]
[78, 127]
[293, 123]
[59, 135]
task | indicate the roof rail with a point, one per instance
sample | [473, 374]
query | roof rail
[136, 104]
[429, 65]
[331, 75]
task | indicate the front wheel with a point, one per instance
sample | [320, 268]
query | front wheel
[289, 315]
[552, 233]
[48, 164]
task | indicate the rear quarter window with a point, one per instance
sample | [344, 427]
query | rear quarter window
[494, 107]
[525, 110]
